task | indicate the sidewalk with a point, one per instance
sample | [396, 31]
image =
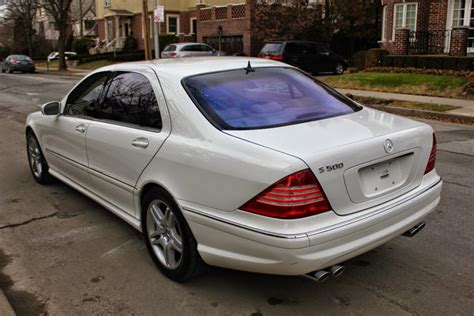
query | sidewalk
[467, 106]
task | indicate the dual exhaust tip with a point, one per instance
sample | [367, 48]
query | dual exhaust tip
[322, 275]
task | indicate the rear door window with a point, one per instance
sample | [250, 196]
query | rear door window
[130, 99]
[267, 97]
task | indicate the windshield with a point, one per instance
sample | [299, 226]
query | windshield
[266, 97]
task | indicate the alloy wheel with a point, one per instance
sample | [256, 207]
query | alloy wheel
[339, 69]
[164, 234]
[36, 159]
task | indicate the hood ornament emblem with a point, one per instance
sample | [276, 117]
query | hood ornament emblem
[388, 146]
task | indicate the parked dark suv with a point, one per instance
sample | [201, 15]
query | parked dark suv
[312, 57]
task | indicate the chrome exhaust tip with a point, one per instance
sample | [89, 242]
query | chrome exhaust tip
[318, 276]
[414, 230]
[337, 270]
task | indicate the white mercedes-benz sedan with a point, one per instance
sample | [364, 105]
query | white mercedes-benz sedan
[241, 163]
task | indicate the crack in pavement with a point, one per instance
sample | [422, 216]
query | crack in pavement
[28, 221]
[459, 184]
[455, 153]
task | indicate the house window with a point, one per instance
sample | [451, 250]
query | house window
[107, 3]
[172, 27]
[193, 25]
[405, 16]
[458, 12]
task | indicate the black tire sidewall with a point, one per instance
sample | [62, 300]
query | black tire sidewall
[190, 256]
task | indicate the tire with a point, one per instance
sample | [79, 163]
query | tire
[9, 71]
[3, 70]
[168, 238]
[38, 165]
[338, 69]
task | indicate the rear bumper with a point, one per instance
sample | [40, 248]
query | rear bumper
[22, 67]
[230, 245]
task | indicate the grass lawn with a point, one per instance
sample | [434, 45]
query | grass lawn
[432, 85]
[406, 104]
[52, 65]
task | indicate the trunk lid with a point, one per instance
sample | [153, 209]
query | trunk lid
[361, 159]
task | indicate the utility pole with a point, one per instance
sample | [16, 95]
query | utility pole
[81, 22]
[156, 28]
[146, 35]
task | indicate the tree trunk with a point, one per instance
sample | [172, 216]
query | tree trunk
[61, 48]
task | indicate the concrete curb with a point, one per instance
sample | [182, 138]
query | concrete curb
[426, 114]
[5, 307]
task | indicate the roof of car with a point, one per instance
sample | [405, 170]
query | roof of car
[188, 66]
[188, 43]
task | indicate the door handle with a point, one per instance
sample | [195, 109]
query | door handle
[140, 142]
[81, 128]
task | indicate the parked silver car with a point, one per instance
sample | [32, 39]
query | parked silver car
[187, 50]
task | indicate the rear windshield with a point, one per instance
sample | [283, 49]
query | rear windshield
[21, 57]
[267, 97]
[169, 48]
[272, 48]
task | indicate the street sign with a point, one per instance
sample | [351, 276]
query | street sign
[159, 14]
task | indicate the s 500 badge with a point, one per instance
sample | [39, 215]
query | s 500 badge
[331, 168]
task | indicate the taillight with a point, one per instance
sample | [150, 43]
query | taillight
[274, 57]
[172, 54]
[432, 160]
[13, 62]
[296, 196]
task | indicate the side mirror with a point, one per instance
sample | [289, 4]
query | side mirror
[51, 108]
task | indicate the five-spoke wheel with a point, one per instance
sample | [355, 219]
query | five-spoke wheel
[168, 237]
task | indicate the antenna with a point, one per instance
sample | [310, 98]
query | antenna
[249, 68]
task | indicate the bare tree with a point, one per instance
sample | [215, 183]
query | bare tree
[22, 13]
[60, 11]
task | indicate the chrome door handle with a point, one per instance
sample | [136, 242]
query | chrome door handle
[140, 142]
[81, 128]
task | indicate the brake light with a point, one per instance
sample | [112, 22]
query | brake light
[296, 196]
[274, 57]
[432, 160]
[172, 54]
[13, 62]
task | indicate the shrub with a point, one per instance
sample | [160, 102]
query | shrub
[358, 59]
[4, 52]
[429, 62]
[412, 70]
[81, 45]
[374, 57]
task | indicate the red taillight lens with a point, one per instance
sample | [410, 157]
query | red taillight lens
[432, 160]
[13, 62]
[274, 57]
[296, 196]
[172, 54]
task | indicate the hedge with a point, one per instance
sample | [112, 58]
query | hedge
[429, 62]
[412, 70]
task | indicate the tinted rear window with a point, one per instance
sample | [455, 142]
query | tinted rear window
[169, 48]
[272, 48]
[20, 57]
[265, 98]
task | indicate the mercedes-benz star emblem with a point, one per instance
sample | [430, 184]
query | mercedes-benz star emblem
[388, 146]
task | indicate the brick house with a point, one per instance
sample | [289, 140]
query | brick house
[428, 27]
[211, 21]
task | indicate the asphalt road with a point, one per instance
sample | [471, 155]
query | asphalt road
[62, 253]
